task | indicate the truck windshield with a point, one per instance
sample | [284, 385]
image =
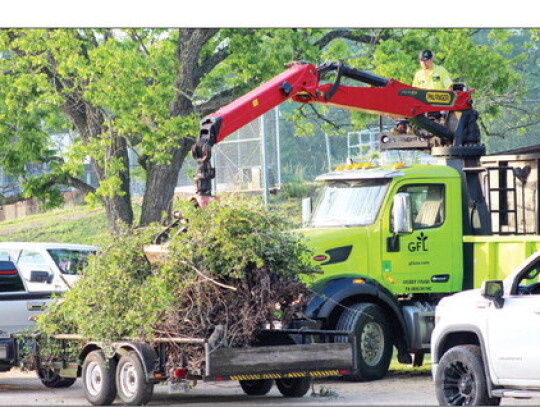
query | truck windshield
[349, 203]
[69, 261]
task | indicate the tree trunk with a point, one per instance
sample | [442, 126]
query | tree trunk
[118, 207]
[160, 183]
[89, 122]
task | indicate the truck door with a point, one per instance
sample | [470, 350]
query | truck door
[422, 261]
[513, 331]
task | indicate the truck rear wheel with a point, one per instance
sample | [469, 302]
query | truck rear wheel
[461, 379]
[294, 387]
[256, 387]
[373, 338]
[53, 380]
[133, 388]
[98, 379]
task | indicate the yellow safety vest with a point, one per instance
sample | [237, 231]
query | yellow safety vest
[436, 78]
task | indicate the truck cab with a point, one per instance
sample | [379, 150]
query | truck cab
[352, 234]
[389, 242]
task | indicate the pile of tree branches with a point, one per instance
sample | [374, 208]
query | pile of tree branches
[230, 269]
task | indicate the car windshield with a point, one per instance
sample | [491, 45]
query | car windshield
[70, 261]
[349, 203]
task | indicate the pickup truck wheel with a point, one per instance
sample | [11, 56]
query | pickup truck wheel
[373, 335]
[256, 387]
[98, 379]
[461, 379]
[133, 389]
[294, 387]
[53, 380]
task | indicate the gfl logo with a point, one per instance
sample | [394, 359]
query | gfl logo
[419, 245]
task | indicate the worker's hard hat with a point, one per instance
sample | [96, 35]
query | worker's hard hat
[425, 54]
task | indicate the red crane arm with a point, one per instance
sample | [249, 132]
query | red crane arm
[297, 79]
[300, 82]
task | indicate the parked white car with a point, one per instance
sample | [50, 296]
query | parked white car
[485, 344]
[47, 266]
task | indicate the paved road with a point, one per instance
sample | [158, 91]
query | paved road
[17, 389]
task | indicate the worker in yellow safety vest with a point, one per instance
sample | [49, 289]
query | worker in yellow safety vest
[431, 76]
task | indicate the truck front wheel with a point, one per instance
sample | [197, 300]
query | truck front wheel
[373, 339]
[98, 379]
[461, 379]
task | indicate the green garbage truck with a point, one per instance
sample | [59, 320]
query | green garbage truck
[393, 240]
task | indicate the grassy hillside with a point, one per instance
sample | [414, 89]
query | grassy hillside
[83, 225]
[74, 225]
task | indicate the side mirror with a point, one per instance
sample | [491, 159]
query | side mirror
[306, 210]
[493, 290]
[39, 276]
[401, 214]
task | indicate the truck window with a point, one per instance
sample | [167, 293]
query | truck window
[30, 258]
[528, 282]
[349, 203]
[70, 262]
[427, 204]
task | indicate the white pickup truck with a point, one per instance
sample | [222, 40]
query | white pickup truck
[18, 308]
[486, 343]
[47, 266]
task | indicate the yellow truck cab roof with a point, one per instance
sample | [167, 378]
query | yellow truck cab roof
[362, 171]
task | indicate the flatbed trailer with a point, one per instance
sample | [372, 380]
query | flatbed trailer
[290, 358]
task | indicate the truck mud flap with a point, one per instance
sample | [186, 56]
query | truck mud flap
[275, 362]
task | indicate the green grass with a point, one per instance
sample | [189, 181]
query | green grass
[74, 225]
[83, 225]
[397, 368]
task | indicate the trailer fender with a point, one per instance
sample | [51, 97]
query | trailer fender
[148, 356]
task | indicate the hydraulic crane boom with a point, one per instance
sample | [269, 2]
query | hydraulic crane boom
[301, 83]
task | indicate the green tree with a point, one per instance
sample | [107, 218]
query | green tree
[146, 89]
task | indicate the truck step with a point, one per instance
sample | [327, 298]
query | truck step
[516, 393]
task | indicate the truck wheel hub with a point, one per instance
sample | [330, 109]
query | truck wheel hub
[372, 342]
[465, 385]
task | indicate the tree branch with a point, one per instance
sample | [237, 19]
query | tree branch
[210, 63]
[218, 100]
[321, 117]
[137, 38]
[344, 33]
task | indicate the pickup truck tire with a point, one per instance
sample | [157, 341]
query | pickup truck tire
[374, 339]
[98, 379]
[294, 387]
[133, 388]
[461, 378]
[53, 380]
[256, 387]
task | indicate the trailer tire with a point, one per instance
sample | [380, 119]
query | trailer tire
[133, 388]
[294, 387]
[374, 340]
[461, 378]
[98, 378]
[256, 387]
[53, 380]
